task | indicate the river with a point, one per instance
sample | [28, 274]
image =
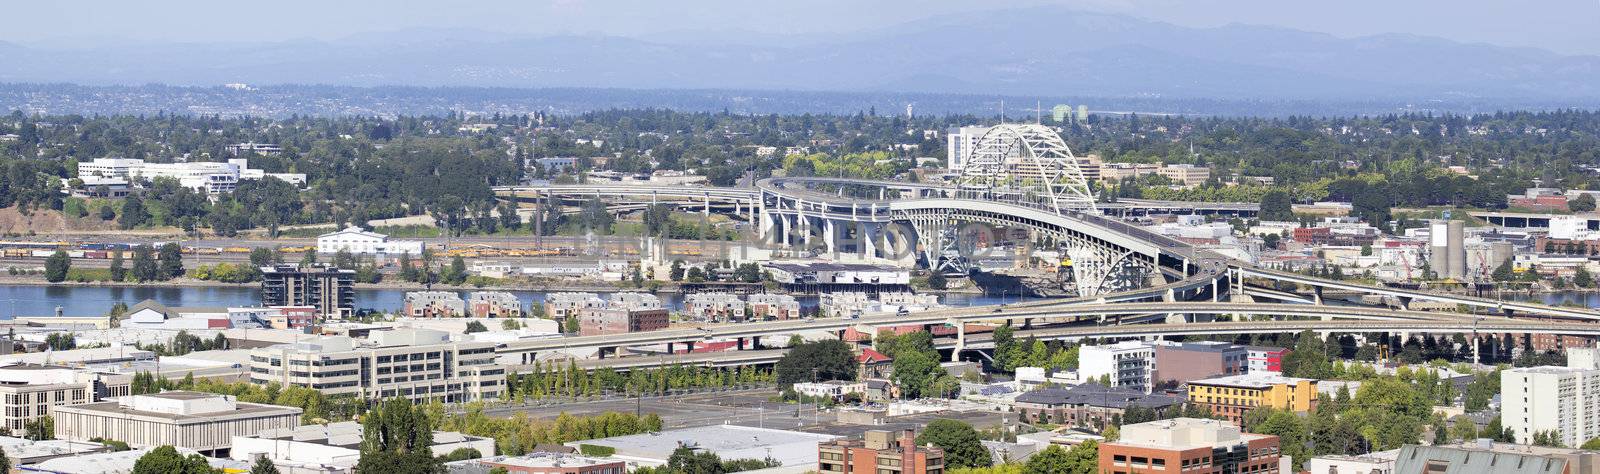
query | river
[42, 300]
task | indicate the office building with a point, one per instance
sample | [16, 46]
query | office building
[358, 241]
[419, 364]
[333, 448]
[1232, 396]
[1186, 174]
[1190, 445]
[597, 321]
[28, 392]
[495, 304]
[253, 147]
[1124, 364]
[879, 452]
[203, 422]
[332, 291]
[1560, 400]
[1182, 362]
[434, 304]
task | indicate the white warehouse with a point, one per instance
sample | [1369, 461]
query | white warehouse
[362, 242]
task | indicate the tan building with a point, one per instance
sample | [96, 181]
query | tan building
[879, 453]
[27, 392]
[1186, 174]
[200, 421]
[419, 364]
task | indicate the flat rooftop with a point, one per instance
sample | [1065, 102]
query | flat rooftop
[1251, 380]
[115, 408]
[728, 441]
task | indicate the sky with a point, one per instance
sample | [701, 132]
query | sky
[1562, 26]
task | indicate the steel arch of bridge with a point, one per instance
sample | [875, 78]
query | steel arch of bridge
[1030, 162]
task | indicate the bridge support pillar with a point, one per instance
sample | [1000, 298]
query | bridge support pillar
[755, 342]
[830, 238]
[1477, 351]
[740, 344]
[961, 340]
[867, 240]
[672, 348]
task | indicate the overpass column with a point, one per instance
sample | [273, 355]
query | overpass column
[830, 237]
[706, 211]
[866, 238]
[961, 340]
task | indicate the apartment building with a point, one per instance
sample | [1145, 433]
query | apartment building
[879, 452]
[1190, 445]
[1124, 364]
[634, 301]
[434, 304]
[28, 392]
[561, 306]
[331, 290]
[1560, 400]
[714, 306]
[419, 364]
[1232, 396]
[495, 304]
[767, 306]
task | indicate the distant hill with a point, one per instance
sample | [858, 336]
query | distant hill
[1036, 51]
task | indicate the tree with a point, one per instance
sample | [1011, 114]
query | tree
[959, 441]
[676, 273]
[398, 440]
[144, 263]
[57, 266]
[1582, 277]
[133, 213]
[166, 460]
[1591, 445]
[695, 275]
[1081, 459]
[1276, 206]
[171, 261]
[475, 326]
[39, 429]
[1504, 272]
[264, 466]
[937, 281]
[5, 462]
[819, 360]
[1583, 203]
[119, 272]
[461, 454]
[1289, 429]
[61, 341]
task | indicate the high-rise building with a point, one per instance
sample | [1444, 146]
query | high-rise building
[331, 290]
[879, 452]
[959, 143]
[1564, 401]
[1190, 445]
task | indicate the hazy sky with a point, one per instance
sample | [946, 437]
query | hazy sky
[1565, 26]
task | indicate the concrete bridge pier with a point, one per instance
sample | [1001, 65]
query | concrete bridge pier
[961, 340]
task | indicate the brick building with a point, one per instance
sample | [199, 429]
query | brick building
[597, 321]
[1190, 446]
[1182, 362]
[879, 452]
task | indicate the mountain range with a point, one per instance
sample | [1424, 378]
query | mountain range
[1049, 51]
